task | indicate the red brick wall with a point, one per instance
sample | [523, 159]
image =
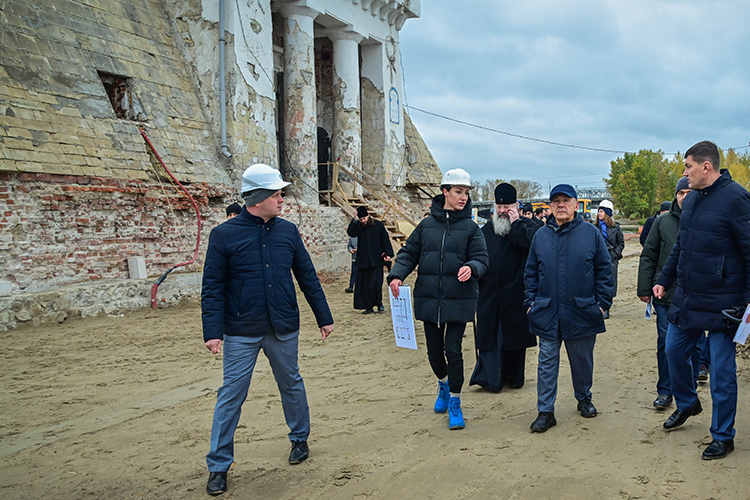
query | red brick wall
[57, 230]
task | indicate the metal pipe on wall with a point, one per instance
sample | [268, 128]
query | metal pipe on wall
[222, 83]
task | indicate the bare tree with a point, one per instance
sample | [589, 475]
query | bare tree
[527, 189]
[484, 191]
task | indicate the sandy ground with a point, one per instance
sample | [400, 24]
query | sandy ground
[121, 408]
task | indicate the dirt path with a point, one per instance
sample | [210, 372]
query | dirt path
[120, 408]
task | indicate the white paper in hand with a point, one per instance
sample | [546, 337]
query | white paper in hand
[648, 309]
[403, 320]
[744, 329]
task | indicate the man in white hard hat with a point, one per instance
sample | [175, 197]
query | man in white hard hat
[451, 253]
[249, 303]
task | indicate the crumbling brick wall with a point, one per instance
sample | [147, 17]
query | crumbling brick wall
[58, 230]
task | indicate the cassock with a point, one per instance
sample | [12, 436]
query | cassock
[502, 333]
[372, 243]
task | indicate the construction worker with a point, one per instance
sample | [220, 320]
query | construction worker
[249, 303]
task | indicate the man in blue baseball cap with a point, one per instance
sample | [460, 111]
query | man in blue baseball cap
[567, 292]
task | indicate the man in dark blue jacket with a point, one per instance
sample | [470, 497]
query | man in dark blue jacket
[249, 303]
[711, 264]
[568, 282]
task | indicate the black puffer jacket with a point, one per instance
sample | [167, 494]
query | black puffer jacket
[441, 244]
[615, 240]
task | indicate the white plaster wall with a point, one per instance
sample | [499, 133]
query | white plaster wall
[253, 60]
[253, 48]
[346, 68]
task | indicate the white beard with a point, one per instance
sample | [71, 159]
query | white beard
[501, 225]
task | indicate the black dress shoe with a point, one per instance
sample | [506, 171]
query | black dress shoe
[662, 401]
[679, 417]
[300, 452]
[544, 421]
[381, 308]
[368, 311]
[718, 449]
[349, 290]
[217, 483]
[587, 408]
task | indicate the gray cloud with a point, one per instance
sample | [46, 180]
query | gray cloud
[604, 74]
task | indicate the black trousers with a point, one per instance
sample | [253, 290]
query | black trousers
[444, 352]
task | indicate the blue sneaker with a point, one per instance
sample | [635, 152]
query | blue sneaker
[455, 415]
[444, 395]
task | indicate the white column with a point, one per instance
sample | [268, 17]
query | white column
[347, 122]
[300, 119]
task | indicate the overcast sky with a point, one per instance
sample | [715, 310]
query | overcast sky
[616, 75]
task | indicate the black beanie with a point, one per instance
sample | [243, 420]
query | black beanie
[505, 194]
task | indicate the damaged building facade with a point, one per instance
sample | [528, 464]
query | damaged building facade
[89, 217]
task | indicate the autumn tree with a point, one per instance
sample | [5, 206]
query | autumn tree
[668, 173]
[632, 182]
[739, 167]
[640, 182]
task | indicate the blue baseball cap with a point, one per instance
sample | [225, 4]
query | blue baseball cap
[565, 189]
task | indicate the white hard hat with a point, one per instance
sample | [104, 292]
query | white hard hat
[606, 204]
[456, 177]
[261, 176]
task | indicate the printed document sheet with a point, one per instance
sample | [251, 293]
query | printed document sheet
[403, 320]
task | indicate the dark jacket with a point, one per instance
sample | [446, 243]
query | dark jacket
[711, 256]
[656, 250]
[568, 278]
[536, 220]
[372, 242]
[615, 240]
[441, 244]
[500, 306]
[647, 226]
[248, 289]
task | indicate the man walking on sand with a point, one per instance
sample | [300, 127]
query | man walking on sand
[711, 263]
[249, 303]
[568, 287]
[656, 249]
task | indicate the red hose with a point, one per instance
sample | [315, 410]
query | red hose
[161, 278]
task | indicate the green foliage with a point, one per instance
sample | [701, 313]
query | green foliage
[633, 180]
[640, 182]
[738, 165]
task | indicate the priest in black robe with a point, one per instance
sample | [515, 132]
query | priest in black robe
[502, 333]
[374, 250]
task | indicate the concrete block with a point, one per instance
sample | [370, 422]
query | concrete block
[137, 268]
[5, 288]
